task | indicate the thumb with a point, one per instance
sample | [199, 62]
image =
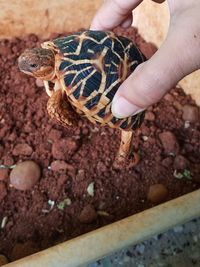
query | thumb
[153, 78]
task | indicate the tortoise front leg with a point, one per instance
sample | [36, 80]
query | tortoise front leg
[47, 88]
[55, 88]
[60, 109]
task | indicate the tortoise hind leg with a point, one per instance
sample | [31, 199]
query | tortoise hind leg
[59, 108]
[125, 145]
[123, 159]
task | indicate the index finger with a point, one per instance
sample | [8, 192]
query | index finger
[112, 13]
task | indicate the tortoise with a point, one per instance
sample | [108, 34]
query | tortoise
[87, 69]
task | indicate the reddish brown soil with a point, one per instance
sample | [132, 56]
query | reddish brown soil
[80, 156]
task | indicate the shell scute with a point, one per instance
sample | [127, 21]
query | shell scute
[94, 83]
[93, 65]
[93, 102]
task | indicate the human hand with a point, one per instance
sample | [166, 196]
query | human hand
[178, 56]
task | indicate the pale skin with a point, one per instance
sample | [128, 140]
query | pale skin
[178, 56]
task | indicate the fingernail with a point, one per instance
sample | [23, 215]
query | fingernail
[122, 108]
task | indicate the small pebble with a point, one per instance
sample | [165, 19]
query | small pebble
[25, 175]
[145, 138]
[169, 142]
[22, 149]
[90, 189]
[169, 98]
[180, 163]
[4, 173]
[157, 193]
[57, 165]
[167, 162]
[4, 222]
[3, 260]
[88, 214]
[149, 116]
[186, 124]
[190, 113]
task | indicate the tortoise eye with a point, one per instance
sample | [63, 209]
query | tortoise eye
[33, 65]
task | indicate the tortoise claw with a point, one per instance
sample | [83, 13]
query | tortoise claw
[126, 163]
[47, 88]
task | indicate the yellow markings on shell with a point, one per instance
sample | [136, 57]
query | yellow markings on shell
[76, 74]
[104, 100]
[81, 38]
[49, 45]
[97, 62]
[82, 82]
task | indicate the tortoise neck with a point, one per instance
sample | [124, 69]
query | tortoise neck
[49, 77]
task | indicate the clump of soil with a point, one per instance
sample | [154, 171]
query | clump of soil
[79, 190]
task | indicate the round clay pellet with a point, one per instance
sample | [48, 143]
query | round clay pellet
[169, 142]
[180, 162]
[157, 193]
[3, 260]
[25, 175]
[88, 214]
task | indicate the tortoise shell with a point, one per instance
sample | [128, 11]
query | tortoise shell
[91, 66]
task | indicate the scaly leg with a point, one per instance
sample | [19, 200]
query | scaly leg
[125, 145]
[122, 159]
[60, 109]
[48, 90]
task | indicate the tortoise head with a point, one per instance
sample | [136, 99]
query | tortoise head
[38, 62]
